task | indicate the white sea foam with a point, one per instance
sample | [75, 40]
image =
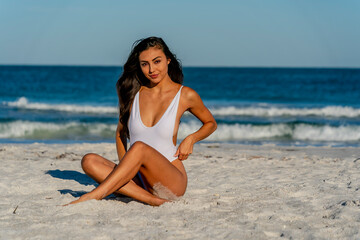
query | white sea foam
[23, 103]
[239, 132]
[257, 111]
[234, 132]
[329, 111]
[327, 133]
[40, 130]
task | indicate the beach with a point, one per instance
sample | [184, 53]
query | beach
[268, 92]
[234, 192]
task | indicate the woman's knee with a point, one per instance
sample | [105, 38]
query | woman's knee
[140, 150]
[88, 160]
[139, 146]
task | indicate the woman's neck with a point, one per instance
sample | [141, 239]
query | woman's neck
[164, 84]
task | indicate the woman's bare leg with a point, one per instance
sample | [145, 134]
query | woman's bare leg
[154, 166]
[98, 168]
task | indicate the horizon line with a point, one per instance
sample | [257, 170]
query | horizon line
[184, 66]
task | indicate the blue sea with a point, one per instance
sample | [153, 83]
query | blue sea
[283, 106]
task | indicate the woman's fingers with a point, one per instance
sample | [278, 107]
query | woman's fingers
[184, 156]
[177, 153]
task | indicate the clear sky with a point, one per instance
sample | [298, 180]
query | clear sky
[271, 33]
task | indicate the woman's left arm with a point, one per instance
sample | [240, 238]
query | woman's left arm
[196, 106]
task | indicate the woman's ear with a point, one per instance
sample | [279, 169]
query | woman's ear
[168, 61]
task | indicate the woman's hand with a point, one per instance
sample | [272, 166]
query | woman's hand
[185, 148]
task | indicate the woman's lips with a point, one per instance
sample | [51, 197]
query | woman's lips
[154, 75]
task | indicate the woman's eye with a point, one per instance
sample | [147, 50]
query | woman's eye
[157, 61]
[143, 64]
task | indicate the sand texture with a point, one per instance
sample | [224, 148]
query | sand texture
[234, 192]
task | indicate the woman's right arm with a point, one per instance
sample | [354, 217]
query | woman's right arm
[121, 142]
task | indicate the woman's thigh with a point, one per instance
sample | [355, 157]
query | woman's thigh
[98, 167]
[159, 170]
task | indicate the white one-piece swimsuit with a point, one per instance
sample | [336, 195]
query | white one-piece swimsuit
[160, 136]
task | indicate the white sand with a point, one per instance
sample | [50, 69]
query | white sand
[234, 192]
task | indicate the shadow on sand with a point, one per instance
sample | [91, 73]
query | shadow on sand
[84, 180]
[72, 175]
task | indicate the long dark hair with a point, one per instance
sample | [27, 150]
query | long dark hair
[132, 77]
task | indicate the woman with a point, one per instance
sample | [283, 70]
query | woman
[151, 85]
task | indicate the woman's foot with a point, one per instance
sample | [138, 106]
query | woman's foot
[83, 198]
[156, 201]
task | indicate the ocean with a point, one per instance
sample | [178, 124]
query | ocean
[282, 106]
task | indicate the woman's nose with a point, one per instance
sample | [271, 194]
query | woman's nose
[151, 68]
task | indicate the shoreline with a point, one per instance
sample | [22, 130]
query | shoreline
[298, 144]
[234, 192]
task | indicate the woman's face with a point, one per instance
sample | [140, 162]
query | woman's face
[154, 64]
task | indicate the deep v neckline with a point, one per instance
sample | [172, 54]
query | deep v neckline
[141, 121]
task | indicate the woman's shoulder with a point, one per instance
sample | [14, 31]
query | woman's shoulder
[189, 94]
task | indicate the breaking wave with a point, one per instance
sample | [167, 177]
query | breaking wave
[329, 111]
[62, 131]
[23, 103]
[282, 131]
[225, 132]
[256, 111]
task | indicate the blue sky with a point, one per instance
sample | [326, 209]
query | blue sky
[276, 33]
